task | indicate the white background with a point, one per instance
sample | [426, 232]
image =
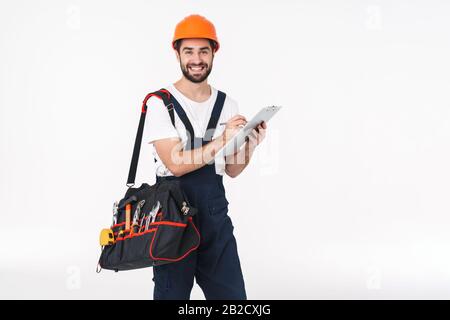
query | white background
[347, 198]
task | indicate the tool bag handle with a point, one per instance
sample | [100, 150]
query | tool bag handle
[164, 95]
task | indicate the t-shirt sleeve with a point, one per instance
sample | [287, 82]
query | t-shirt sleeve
[157, 122]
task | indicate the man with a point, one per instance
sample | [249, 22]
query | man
[186, 151]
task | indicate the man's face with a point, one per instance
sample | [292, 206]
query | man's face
[196, 59]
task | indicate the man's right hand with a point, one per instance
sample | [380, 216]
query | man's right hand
[233, 126]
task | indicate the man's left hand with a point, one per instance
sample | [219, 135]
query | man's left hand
[257, 135]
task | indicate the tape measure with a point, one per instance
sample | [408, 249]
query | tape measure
[106, 237]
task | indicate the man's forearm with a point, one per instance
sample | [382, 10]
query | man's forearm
[186, 161]
[239, 161]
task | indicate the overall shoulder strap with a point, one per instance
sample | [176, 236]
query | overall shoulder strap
[183, 117]
[215, 115]
[164, 95]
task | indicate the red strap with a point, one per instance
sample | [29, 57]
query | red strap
[144, 103]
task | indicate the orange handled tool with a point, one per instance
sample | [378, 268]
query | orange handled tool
[127, 216]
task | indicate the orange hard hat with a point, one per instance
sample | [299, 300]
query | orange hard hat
[195, 26]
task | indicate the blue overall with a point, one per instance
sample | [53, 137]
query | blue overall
[215, 264]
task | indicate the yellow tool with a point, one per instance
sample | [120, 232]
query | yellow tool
[106, 237]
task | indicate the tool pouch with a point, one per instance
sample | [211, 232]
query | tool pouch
[169, 237]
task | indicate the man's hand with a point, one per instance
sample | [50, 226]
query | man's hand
[239, 161]
[233, 126]
[257, 135]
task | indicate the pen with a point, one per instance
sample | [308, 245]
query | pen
[224, 123]
[246, 139]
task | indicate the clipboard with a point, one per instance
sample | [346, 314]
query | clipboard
[235, 144]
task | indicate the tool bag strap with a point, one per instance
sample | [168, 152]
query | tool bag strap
[164, 95]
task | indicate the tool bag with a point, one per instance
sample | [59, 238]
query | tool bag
[160, 217]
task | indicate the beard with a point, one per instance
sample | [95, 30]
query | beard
[196, 76]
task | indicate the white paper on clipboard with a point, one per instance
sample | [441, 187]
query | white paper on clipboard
[238, 140]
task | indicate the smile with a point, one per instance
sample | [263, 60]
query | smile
[197, 69]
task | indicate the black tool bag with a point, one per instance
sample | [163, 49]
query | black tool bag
[167, 236]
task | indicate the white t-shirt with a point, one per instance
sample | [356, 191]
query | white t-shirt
[158, 125]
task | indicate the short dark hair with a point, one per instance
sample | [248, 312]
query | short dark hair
[177, 45]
